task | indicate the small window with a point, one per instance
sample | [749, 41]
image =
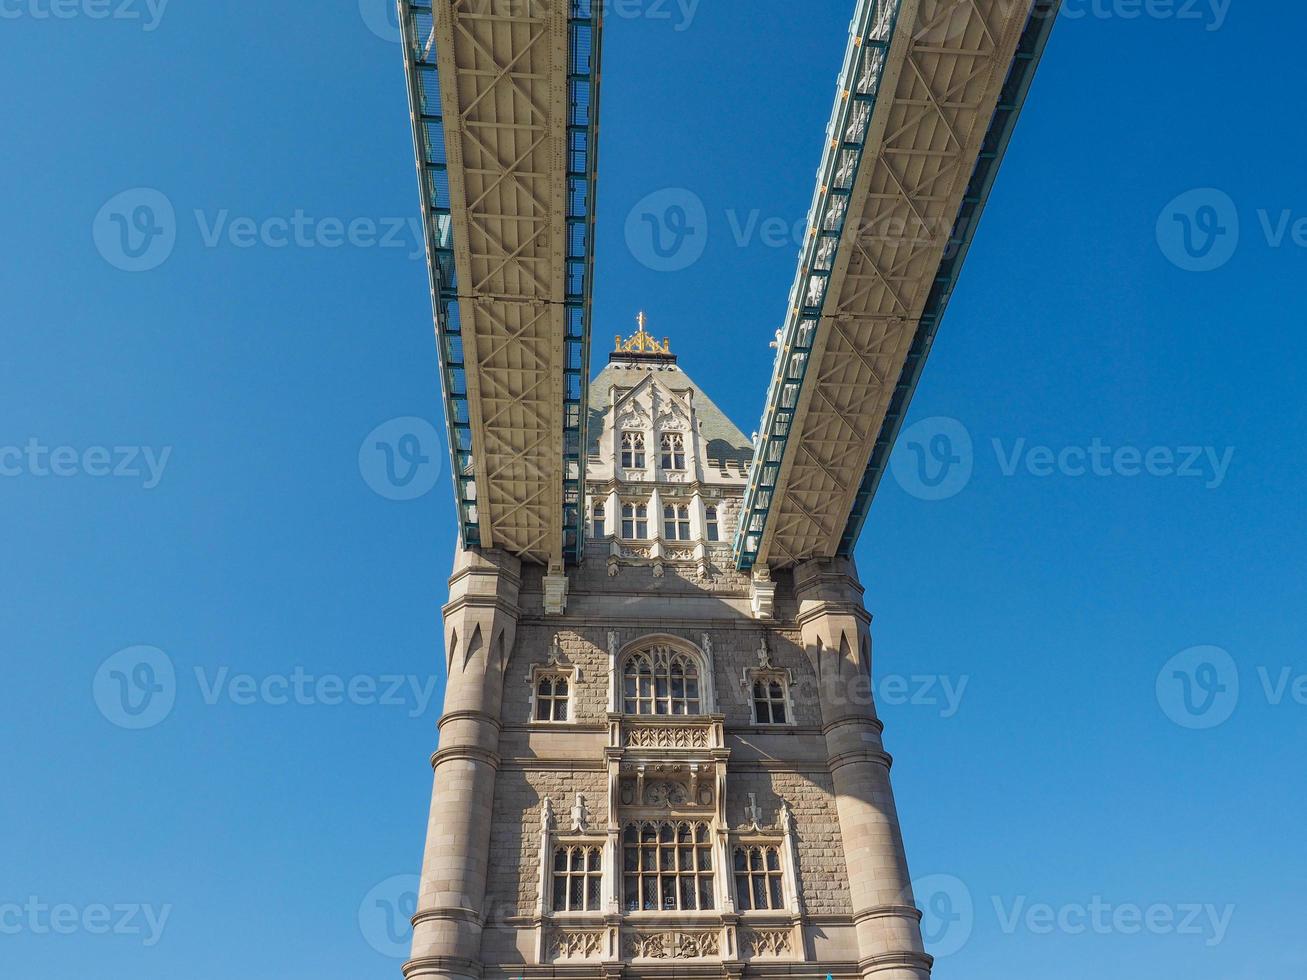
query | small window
[633, 450]
[578, 879]
[758, 878]
[673, 451]
[552, 694]
[769, 701]
[597, 520]
[676, 522]
[712, 528]
[635, 521]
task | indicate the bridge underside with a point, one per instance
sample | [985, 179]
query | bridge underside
[918, 131]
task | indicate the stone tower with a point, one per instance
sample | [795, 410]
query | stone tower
[682, 773]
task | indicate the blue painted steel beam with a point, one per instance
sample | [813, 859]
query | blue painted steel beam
[585, 36]
[1030, 49]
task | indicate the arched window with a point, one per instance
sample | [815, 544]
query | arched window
[551, 697]
[769, 700]
[633, 450]
[676, 522]
[666, 866]
[758, 878]
[635, 521]
[712, 527]
[578, 879]
[597, 515]
[661, 681]
[673, 451]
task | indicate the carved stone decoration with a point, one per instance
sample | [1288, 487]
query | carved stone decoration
[766, 942]
[670, 945]
[580, 815]
[547, 815]
[576, 945]
[665, 737]
[786, 818]
[753, 813]
[663, 792]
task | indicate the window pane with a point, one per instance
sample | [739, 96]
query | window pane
[705, 893]
[560, 859]
[705, 859]
[669, 892]
[560, 894]
[576, 894]
[542, 709]
[560, 687]
[560, 710]
[631, 894]
[773, 859]
[742, 892]
[759, 893]
[687, 893]
[778, 712]
[592, 893]
[631, 859]
[764, 712]
[755, 859]
[578, 859]
[592, 862]
[776, 900]
[650, 894]
[740, 863]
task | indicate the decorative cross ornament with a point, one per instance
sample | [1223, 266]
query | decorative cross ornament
[580, 815]
[753, 813]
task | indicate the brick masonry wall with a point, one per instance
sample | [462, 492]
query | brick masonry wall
[513, 881]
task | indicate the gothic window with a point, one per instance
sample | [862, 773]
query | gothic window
[635, 521]
[552, 697]
[597, 520]
[770, 704]
[673, 451]
[712, 527]
[660, 681]
[676, 522]
[633, 450]
[578, 878]
[666, 866]
[758, 878]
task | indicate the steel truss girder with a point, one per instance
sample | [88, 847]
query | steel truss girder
[504, 101]
[867, 300]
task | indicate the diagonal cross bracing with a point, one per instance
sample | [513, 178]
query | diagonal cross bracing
[928, 97]
[504, 100]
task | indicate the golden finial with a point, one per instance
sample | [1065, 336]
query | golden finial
[641, 343]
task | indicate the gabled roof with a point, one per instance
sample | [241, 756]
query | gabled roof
[724, 441]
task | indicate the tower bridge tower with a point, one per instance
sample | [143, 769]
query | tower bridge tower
[683, 773]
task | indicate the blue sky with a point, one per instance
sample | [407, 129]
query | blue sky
[258, 828]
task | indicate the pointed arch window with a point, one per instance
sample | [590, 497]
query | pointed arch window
[676, 522]
[633, 450]
[661, 681]
[673, 451]
[635, 521]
